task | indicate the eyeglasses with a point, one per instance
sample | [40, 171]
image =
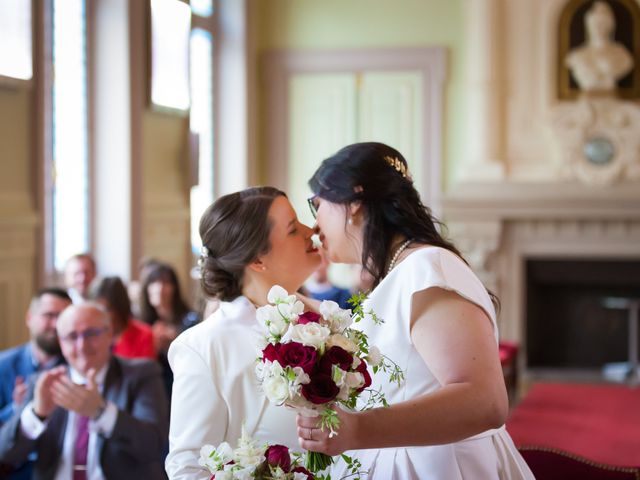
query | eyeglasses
[88, 335]
[313, 205]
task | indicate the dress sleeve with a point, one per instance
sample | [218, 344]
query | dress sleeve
[199, 413]
[441, 268]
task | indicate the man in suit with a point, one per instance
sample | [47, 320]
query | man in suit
[101, 418]
[79, 272]
[18, 364]
[40, 353]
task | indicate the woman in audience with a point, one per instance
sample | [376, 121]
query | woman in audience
[251, 240]
[446, 419]
[132, 338]
[163, 307]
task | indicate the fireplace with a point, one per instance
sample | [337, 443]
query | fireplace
[568, 325]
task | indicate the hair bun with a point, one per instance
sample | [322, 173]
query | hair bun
[218, 282]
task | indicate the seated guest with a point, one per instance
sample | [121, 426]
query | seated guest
[79, 272]
[132, 338]
[40, 353]
[134, 287]
[164, 308]
[101, 418]
[319, 287]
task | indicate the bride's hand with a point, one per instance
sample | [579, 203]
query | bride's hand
[313, 439]
[309, 303]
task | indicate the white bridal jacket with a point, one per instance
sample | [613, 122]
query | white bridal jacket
[215, 390]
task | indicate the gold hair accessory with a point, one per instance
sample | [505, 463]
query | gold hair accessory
[400, 167]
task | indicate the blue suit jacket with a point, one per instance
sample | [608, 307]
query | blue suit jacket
[137, 444]
[13, 363]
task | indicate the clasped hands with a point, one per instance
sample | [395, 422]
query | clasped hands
[54, 389]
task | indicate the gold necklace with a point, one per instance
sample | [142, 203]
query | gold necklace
[397, 253]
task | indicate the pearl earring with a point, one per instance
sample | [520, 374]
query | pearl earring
[350, 221]
[264, 268]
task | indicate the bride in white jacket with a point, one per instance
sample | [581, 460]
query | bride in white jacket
[251, 240]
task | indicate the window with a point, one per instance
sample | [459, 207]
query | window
[15, 37]
[201, 121]
[70, 172]
[170, 25]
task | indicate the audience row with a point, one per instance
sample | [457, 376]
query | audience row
[103, 366]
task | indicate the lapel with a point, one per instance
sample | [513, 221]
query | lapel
[111, 393]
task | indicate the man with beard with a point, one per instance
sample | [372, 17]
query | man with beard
[99, 418]
[40, 353]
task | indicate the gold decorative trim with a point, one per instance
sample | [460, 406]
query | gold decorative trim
[586, 461]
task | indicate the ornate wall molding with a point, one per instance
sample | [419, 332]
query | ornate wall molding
[597, 140]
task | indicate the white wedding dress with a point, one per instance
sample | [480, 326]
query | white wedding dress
[488, 455]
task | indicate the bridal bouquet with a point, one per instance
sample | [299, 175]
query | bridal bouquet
[250, 461]
[312, 361]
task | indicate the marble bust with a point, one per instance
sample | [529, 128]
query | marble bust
[600, 62]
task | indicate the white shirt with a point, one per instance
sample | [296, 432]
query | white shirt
[32, 427]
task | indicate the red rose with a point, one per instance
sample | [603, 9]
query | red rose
[321, 389]
[278, 456]
[301, 469]
[309, 317]
[272, 353]
[335, 356]
[294, 354]
[362, 368]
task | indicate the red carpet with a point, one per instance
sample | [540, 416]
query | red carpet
[598, 422]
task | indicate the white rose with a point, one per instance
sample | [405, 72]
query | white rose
[276, 388]
[312, 334]
[277, 294]
[341, 341]
[375, 357]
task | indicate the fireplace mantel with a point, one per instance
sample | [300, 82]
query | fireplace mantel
[506, 201]
[499, 226]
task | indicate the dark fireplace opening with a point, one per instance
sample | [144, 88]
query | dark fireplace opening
[567, 324]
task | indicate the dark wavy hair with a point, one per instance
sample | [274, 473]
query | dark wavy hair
[235, 229]
[158, 271]
[113, 291]
[391, 204]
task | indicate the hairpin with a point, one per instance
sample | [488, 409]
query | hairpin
[400, 167]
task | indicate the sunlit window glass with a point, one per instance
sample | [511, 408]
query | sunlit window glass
[202, 124]
[170, 29]
[70, 172]
[15, 39]
[203, 8]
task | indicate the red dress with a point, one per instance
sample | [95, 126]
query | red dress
[136, 341]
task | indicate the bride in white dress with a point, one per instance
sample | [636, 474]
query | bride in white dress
[446, 421]
[253, 241]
